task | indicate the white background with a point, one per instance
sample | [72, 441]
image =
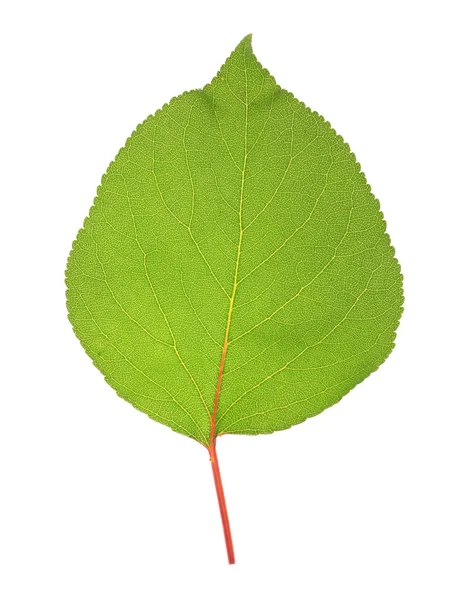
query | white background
[370, 500]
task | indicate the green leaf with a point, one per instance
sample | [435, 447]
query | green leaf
[234, 215]
[234, 274]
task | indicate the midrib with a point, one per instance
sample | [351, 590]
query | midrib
[235, 281]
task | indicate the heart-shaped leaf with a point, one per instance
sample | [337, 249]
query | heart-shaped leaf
[234, 274]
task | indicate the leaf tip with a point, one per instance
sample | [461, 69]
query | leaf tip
[246, 43]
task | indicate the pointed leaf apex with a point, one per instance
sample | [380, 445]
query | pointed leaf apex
[245, 44]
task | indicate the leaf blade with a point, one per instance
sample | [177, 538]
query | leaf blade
[235, 221]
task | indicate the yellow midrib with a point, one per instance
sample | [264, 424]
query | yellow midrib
[236, 270]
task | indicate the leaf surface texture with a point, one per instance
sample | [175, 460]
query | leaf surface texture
[234, 221]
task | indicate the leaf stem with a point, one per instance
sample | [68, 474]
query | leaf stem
[221, 502]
